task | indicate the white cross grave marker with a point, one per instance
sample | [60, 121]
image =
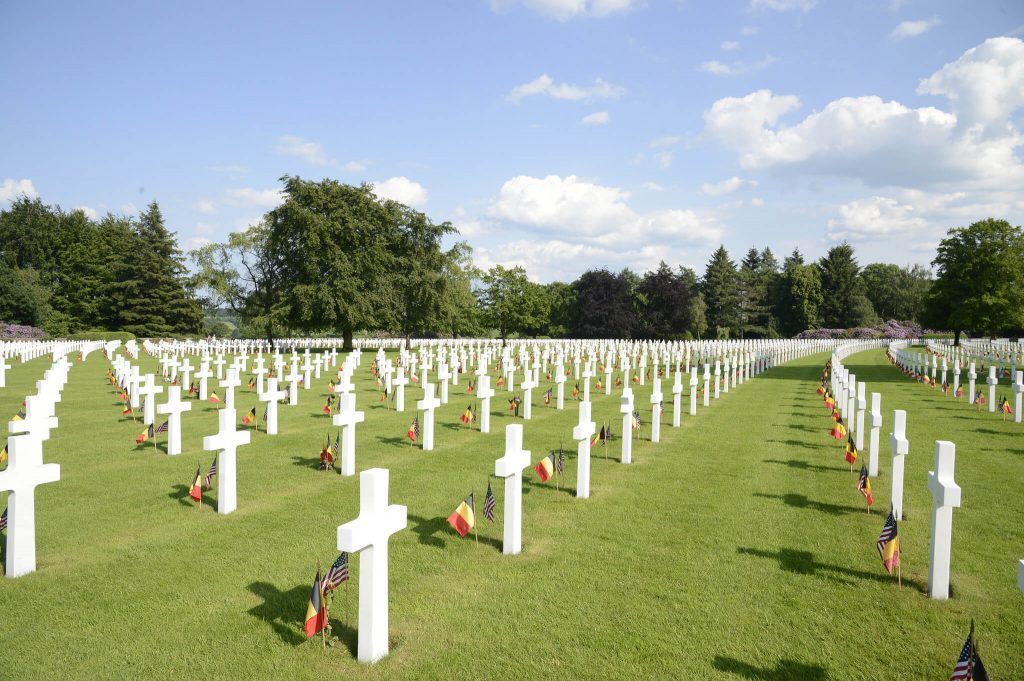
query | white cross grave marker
[399, 384]
[677, 406]
[271, 395]
[428, 404]
[656, 400]
[876, 423]
[173, 407]
[368, 535]
[582, 433]
[25, 471]
[528, 385]
[900, 447]
[510, 469]
[1018, 390]
[148, 391]
[992, 382]
[204, 375]
[293, 383]
[229, 384]
[485, 392]
[226, 441]
[626, 408]
[945, 497]
[347, 417]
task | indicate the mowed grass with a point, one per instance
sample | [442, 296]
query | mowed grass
[738, 547]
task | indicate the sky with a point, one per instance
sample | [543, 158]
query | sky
[560, 135]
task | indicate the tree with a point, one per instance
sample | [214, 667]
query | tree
[18, 304]
[979, 284]
[757, 277]
[243, 276]
[798, 296]
[896, 292]
[722, 294]
[511, 303]
[563, 301]
[335, 248]
[668, 303]
[845, 304]
[604, 306]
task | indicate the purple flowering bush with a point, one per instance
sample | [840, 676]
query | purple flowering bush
[888, 329]
[20, 332]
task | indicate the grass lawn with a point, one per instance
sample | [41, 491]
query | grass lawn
[736, 548]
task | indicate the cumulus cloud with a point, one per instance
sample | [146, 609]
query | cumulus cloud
[737, 68]
[563, 10]
[545, 85]
[666, 141]
[726, 187]
[307, 150]
[403, 190]
[601, 214]
[652, 187]
[784, 5]
[89, 212]
[12, 189]
[247, 197]
[596, 118]
[912, 29]
[356, 166]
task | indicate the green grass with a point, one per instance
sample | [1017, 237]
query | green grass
[737, 548]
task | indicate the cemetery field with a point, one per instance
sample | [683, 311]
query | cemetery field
[737, 548]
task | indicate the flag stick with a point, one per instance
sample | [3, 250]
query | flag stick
[899, 575]
[346, 600]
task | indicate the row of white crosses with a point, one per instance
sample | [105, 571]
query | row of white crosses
[25, 469]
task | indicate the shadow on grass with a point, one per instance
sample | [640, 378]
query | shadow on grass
[427, 530]
[804, 466]
[312, 462]
[803, 563]
[530, 483]
[180, 492]
[785, 670]
[796, 443]
[393, 440]
[801, 501]
[347, 634]
[278, 609]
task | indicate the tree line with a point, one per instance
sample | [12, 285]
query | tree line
[334, 258]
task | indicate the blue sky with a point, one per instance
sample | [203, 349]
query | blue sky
[556, 134]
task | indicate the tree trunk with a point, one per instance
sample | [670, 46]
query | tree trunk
[346, 335]
[956, 337]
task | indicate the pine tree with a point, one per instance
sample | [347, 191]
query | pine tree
[845, 304]
[722, 294]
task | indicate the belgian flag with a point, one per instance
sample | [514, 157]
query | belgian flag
[851, 450]
[597, 437]
[250, 417]
[214, 397]
[463, 519]
[467, 416]
[196, 491]
[544, 469]
[126, 409]
[144, 435]
[316, 614]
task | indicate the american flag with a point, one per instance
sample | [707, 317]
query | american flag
[636, 420]
[560, 464]
[338, 572]
[962, 670]
[265, 411]
[163, 427]
[210, 473]
[337, 444]
[3, 520]
[889, 533]
[489, 503]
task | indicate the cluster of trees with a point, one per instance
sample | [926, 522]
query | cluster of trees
[66, 273]
[759, 298]
[334, 258]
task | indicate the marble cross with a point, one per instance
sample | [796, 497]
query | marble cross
[510, 469]
[229, 384]
[399, 384]
[528, 385]
[427, 405]
[226, 442]
[368, 535]
[876, 423]
[656, 400]
[945, 497]
[37, 421]
[900, 447]
[174, 407]
[25, 471]
[560, 386]
[1018, 390]
[148, 391]
[582, 433]
[347, 417]
[271, 395]
[4, 366]
[626, 408]
[693, 390]
[443, 375]
[485, 392]
[293, 378]
[204, 375]
[992, 381]
[677, 400]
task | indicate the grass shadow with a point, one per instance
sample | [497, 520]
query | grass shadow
[347, 634]
[304, 462]
[181, 493]
[803, 563]
[803, 465]
[427, 529]
[801, 501]
[529, 483]
[796, 443]
[785, 670]
[392, 440]
[278, 609]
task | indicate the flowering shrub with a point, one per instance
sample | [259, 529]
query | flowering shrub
[19, 332]
[889, 329]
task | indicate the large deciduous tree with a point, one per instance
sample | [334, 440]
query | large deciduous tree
[798, 296]
[604, 306]
[979, 284]
[670, 307]
[896, 292]
[511, 303]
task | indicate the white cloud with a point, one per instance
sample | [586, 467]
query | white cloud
[544, 85]
[205, 206]
[726, 187]
[664, 158]
[652, 187]
[784, 5]
[730, 45]
[403, 190]
[737, 68]
[599, 213]
[307, 150]
[356, 166]
[129, 208]
[563, 10]
[89, 212]
[875, 216]
[469, 229]
[596, 118]
[748, 30]
[757, 202]
[985, 85]
[247, 197]
[194, 242]
[13, 189]
[912, 29]
[666, 141]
